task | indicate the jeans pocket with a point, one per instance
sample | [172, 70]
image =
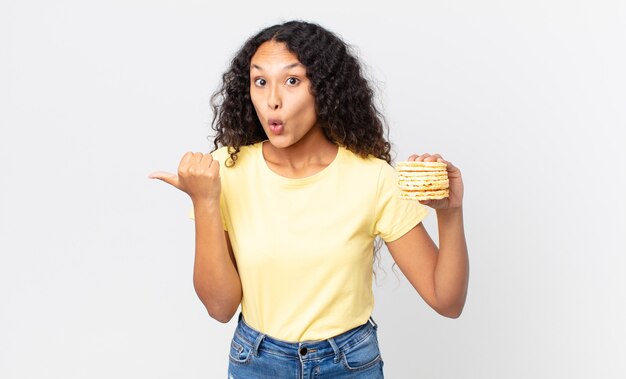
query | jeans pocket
[240, 352]
[363, 355]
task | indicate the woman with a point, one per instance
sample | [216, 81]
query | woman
[289, 204]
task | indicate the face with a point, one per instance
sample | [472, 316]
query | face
[281, 95]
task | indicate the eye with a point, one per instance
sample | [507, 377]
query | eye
[260, 82]
[292, 81]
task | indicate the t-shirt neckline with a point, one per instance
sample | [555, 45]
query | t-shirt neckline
[298, 182]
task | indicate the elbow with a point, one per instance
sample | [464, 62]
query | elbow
[223, 316]
[220, 318]
[453, 314]
[222, 311]
[451, 307]
[220, 308]
[452, 311]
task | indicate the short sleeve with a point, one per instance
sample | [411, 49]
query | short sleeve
[394, 216]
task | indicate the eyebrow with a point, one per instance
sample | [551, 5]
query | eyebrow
[289, 66]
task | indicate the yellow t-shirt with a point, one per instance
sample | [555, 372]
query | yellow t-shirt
[304, 247]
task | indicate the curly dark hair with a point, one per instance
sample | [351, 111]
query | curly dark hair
[344, 100]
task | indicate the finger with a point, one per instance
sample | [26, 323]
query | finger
[449, 164]
[412, 157]
[215, 167]
[184, 161]
[189, 164]
[432, 158]
[186, 157]
[167, 177]
[452, 169]
[422, 157]
[197, 164]
[206, 159]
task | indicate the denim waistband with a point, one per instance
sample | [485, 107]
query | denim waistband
[305, 350]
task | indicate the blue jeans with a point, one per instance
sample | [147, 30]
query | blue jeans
[352, 354]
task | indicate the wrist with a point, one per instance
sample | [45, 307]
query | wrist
[205, 203]
[449, 211]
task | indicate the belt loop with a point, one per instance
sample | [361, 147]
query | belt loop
[374, 324]
[333, 344]
[255, 349]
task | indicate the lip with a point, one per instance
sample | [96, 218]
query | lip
[274, 121]
[275, 125]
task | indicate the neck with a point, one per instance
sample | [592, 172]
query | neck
[313, 149]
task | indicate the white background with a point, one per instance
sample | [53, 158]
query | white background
[527, 98]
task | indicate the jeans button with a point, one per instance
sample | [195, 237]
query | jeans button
[303, 351]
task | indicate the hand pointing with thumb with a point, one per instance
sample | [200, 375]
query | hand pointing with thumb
[198, 176]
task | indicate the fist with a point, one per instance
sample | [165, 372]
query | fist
[455, 199]
[198, 176]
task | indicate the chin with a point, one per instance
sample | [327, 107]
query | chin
[279, 143]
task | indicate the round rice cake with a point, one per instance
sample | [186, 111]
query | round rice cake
[419, 175]
[423, 185]
[420, 166]
[425, 195]
[423, 180]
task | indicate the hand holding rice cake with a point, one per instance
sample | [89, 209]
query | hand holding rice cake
[423, 180]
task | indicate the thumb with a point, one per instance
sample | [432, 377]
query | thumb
[167, 177]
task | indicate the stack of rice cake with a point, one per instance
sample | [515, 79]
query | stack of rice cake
[423, 180]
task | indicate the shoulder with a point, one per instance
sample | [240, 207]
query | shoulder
[221, 154]
[367, 163]
[246, 154]
[370, 165]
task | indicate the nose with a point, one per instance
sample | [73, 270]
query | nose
[274, 100]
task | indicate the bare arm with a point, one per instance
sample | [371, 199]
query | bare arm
[440, 275]
[215, 275]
